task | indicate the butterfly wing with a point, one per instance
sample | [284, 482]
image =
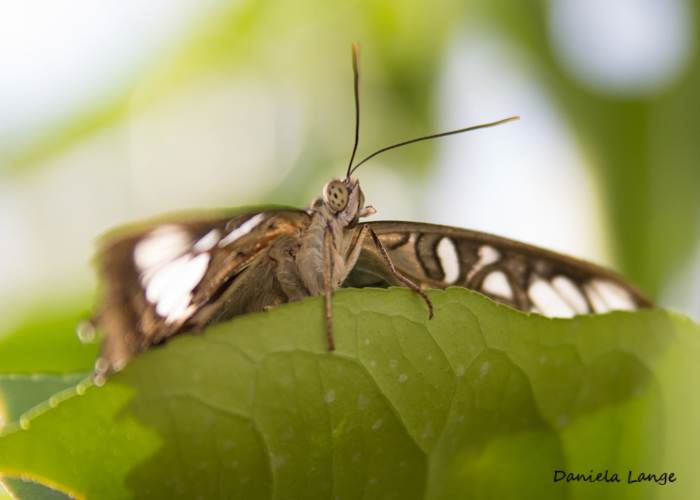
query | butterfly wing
[522, 276]
[173, 277]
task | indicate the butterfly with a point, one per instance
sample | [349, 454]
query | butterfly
[182, 275]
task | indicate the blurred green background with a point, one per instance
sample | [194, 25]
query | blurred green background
[115, 111]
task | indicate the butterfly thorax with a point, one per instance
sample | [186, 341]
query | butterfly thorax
[338, 211]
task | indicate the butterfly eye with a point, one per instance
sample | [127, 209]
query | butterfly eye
[336, 195]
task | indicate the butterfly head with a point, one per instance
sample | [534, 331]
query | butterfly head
[345, 201]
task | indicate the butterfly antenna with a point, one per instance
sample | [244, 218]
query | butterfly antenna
[435, 136]
[356, 73]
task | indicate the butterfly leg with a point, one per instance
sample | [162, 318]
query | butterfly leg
[327, 282]
[355, 254]
[410, 284]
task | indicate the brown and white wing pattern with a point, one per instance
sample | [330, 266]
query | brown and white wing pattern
[159, 278]
[521, 276]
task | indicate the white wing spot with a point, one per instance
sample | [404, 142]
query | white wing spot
[178, 310]
[547, 300]
[207, 242]
[487, 255]
[447, 253]
[571, 294]
[242, 230]
[616, 297]
[160, 246]
[598, 304]
[159, 280]
[497, 283]
[175, 297]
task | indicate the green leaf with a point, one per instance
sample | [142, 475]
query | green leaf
[480, 402]
[26, 490]
[21, 393]
[47, 343]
